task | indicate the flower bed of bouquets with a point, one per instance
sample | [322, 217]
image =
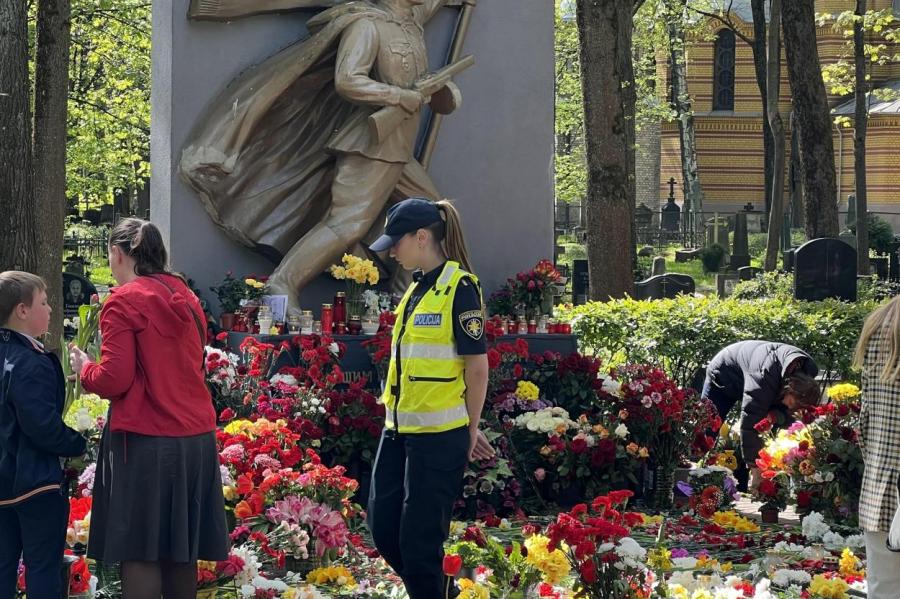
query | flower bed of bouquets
[564, 432]
[815, 463]
[600, 549]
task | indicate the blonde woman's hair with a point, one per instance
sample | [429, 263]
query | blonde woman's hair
[449, 233]
[887, 319]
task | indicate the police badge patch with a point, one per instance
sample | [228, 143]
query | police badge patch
[472, 323]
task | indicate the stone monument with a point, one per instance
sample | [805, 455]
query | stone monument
[268, 177]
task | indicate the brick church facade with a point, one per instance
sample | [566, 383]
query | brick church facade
[729, 123]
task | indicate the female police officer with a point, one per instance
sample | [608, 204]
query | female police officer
[434, 393]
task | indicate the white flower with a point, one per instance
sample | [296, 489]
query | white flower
[621, 431]
[286, 379]
[605, 547]
[251, 566]
[612, 387]
[814, 527]
[227, 480]
[683, 578]
[833, 541]
[333, 348]
[762, 590]
[784, 578]
[629, 548]
[505, 524]
[855, 541]
[685, 563]
[83, 420]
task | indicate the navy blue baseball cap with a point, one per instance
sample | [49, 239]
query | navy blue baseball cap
[406, 217]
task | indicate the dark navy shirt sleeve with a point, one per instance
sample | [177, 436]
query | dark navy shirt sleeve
[468, 320]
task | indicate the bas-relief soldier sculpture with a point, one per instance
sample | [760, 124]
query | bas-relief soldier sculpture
[292, 159]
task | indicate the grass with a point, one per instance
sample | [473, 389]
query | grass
[705, 282]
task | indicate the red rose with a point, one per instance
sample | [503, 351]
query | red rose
[452, 565]
[226, 415]
[768, 488]
[578, 446]
[804, 499]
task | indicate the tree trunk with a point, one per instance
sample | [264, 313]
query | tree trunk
[773, 88]
[759, 67]
[813, 119]
[607, 79]
[860, 124]
[684, 111]
[17, 243]
[51, 90]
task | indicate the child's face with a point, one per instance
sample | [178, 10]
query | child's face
[35, 319]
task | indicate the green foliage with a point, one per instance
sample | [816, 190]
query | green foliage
[108, 146]
[712, 257]
[767, 285]
[571, 174]
[682, 334]
[881, 234]
[756, 243]
[882, 33]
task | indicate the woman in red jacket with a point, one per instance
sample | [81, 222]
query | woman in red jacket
[158, 504]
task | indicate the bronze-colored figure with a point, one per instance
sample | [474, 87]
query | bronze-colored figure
[287, 160]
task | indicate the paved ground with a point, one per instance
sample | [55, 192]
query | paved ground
[748, 508]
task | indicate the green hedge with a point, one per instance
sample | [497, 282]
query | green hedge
[683, 334]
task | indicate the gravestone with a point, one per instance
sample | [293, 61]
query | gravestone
[851, 211]
[848, 238]
[824, 268]
[748, 273]
[659, 266]
[193, 61]
[894, 254]
[643, 215]
[107, 214]
[687, 254]
[92, 216]
[740, 256]
[671, 216]
[664, 287]
[754, 219]
[725, 283]
[77, 292]
[787, 259]
[580, 282]
[718, 233]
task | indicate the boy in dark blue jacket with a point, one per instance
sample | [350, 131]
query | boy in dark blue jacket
[33, 437]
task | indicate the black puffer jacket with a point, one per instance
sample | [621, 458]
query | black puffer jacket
[754, 372]
[32, 434]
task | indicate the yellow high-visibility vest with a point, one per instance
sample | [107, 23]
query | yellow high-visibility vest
[425, 388]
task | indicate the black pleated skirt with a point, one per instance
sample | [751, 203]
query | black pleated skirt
[158, 499]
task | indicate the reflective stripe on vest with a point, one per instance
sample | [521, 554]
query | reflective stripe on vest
[427, 419]
[427, 351]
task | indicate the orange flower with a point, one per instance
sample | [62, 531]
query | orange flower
[242, 510]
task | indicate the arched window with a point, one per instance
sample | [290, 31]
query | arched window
[723, 81]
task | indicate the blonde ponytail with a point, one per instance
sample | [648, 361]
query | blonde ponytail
[454, 243]
[883, 321]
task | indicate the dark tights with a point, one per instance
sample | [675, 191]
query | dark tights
[150, 580]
